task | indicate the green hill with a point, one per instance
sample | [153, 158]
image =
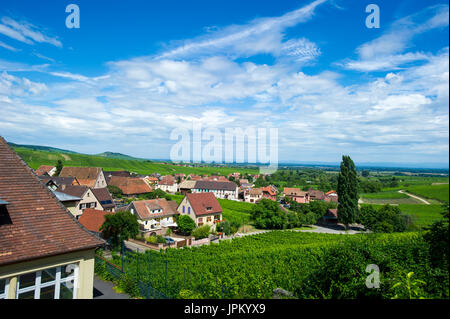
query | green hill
[41, 148]
[119, 156]
[34, 158]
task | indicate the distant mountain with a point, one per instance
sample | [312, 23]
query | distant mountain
[119, 156]
[42, 148]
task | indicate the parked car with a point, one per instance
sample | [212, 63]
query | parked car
[169, 240]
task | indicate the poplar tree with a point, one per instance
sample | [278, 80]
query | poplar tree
[347, 190]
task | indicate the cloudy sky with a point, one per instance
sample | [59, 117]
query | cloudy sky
[135, 70]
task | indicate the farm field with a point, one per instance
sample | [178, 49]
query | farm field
[35, 158]
[438, 192]
[253, 266]
[423, 215]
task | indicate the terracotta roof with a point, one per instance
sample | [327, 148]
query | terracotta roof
[44, 169]
[130, 185]
[316, 194]
[269, 190]
[331, 192]
[332, 213]
[144, 207]
[216, 178]
[228, 186]
[117, 173]
[187, 184]
[255, 191]
[104, 197]
[293, 191]
[81, 173]
[36, 224]
[204, 203]
[93, 219]
[167, 180]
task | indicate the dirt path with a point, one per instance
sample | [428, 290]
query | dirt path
[414, 196]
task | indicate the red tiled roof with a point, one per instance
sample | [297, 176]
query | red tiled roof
[104, 197]
[81, 173]
[93, 219]
[167, 180]
[43, 169]
[200, 202]
[269, 190]
[293, 191]
[144, 208]
[36, 224]
[130, 185]
[330, 192]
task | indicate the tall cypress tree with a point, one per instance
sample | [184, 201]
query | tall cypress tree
[347, 192]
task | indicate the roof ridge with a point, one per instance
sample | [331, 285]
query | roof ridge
[22, 162]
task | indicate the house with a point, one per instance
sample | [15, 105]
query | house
[44, 252]
[295, 194]
[253, 195]
[53, 182]
[154, 215]
[215, 178]
[93, 219]
[331, 217]
[88, 199]
[269, 192]
[92, 177]
[226, 190]
[194, 177]
[70, 202]
[105, 199]
[168, 184]
[243, 181]
[235, 175]
[331, 196]
[316, 194]
[150, 180]
[108, 174]
[186, 187]
[45, 170]
[203, 208]
[130, 186]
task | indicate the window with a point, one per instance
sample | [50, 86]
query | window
[208, 219]
[189, 210]
[200, 220]
[52, 283]
[4, 288]
[183, 209]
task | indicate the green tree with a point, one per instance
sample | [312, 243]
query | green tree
[119, 227]
[267, 214]
[201, 232]
[348, 192]
[387, 219]
[115, 191]
[185, 224]
[439, 240]
[59, 167]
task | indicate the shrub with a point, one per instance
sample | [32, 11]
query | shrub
[201, 232]
[119, 227]
[160, 239]
[151, 239]
[185, 224]
[188, 294]
[267, 214]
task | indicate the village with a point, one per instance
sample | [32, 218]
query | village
[85, 192]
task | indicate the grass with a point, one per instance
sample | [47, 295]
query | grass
[36, 158]
[437, 192]
[423, 215]
[384, 195]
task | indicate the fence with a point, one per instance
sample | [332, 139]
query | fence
[118, 272]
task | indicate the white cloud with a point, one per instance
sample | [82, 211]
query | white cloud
[25, 32]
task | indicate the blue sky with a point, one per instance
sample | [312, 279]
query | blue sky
[135, 70]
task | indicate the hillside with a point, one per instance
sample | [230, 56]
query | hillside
[119, 156]
[41, 148]
[35, 158]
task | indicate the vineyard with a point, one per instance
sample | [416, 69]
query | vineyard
[308, 265]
